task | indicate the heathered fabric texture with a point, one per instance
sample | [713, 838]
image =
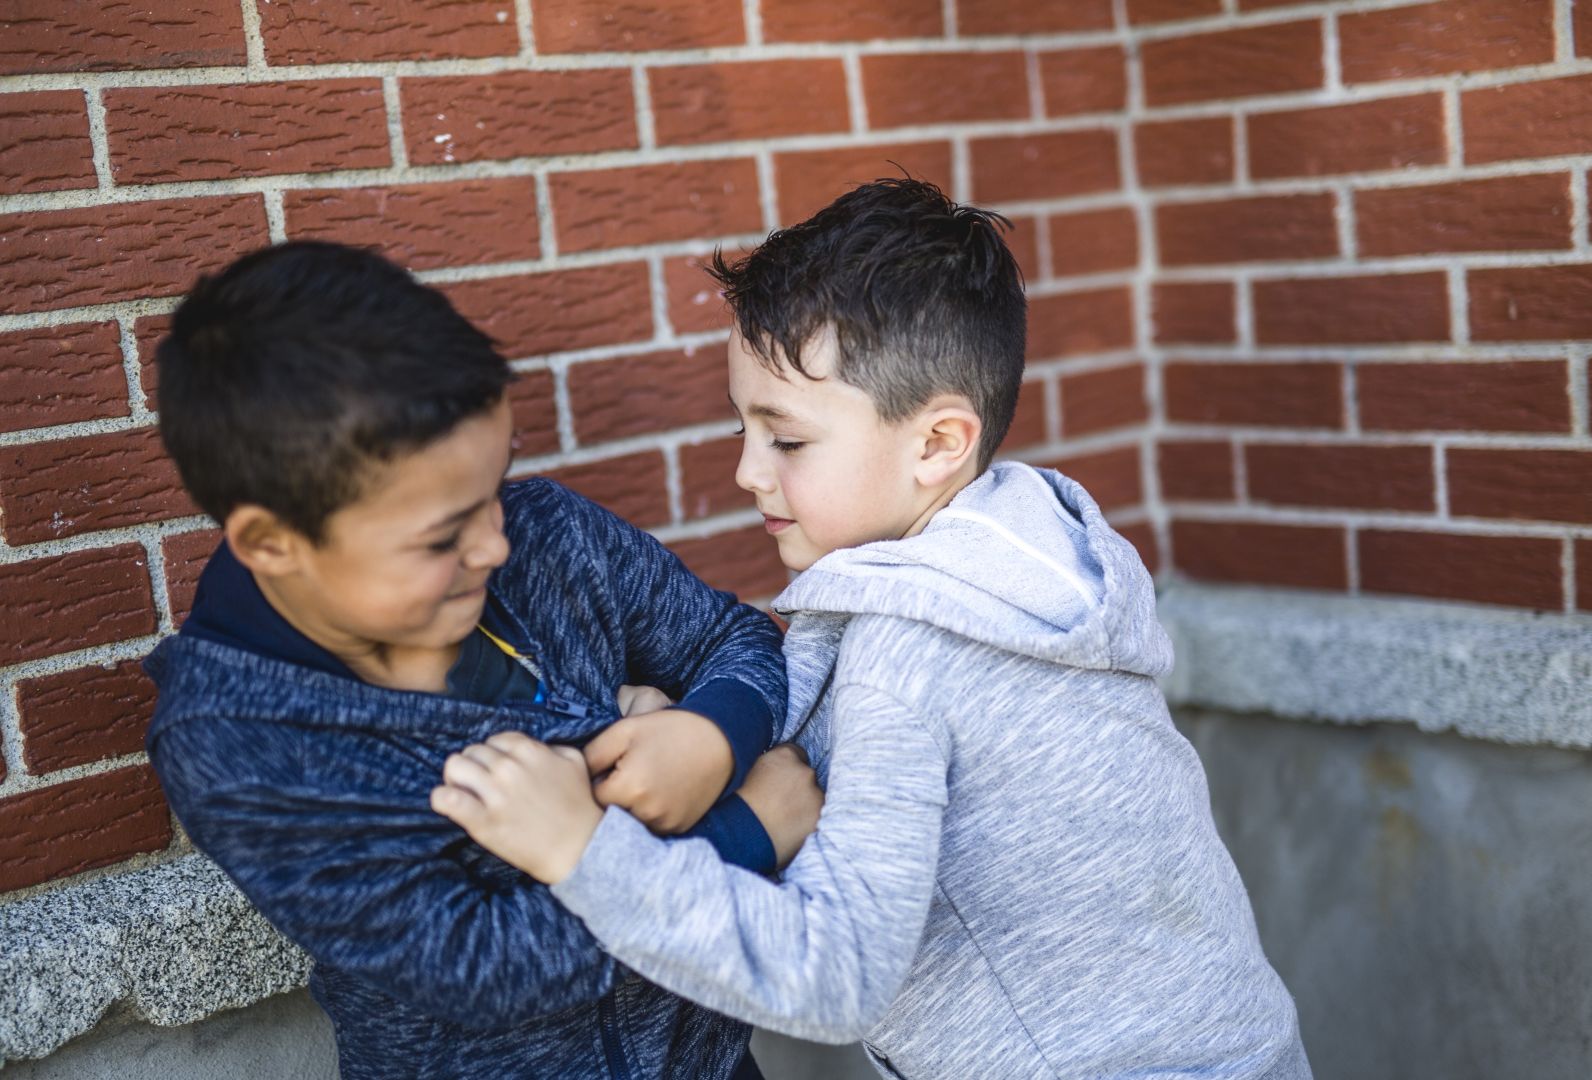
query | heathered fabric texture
[1016, 872]
[434, 958]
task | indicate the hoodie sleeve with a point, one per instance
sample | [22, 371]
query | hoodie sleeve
[378, 886]
[713, 655]
[820, 955]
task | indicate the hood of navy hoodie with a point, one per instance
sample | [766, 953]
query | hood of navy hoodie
[1022, 560]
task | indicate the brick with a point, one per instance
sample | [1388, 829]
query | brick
[1029, 426]
[1369, 136]
[1352, 310]
[44, 142]
[1113, 477]
[1023, 242]
[148, 331]
[1308, 395]
[639, 395]
[844, 20]
[1510, 213]
[1544, 485]
[633, 486]
[60, 603]
[707, 479]
[1100, 400]
[1070, 324]
[1446, 37]
[1528, 120]
[185, 556]
[84, 715]
[67, 828]
[1515, 570]
[944, 88]
[534, 314]
[975, 17]
[1193, 312]
[424, 226]
[1094, 241]
[1583, 569]
[123, 251]
[517, 114]
[110, 37]
[61, 374]
[744, 562]
[651, 204]
[704, 103]
[1196, 470]
[535, 412]
[696, 304]
[1237, 63]
[1084, 80]
[1172, 152]
[809, 180]
[1524, 395]
[1155, 11]
[572, 26]
[64, 487]
[1531, 303]
[1013, 168]
[313, 32]
[1359, 477]
[1257, 229]
[159, 134]
[1296, 556]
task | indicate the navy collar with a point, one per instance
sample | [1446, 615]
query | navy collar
[230, 609]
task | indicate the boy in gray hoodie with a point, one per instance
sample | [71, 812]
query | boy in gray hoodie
[1015, 873]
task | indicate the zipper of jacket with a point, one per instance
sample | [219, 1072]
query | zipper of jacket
[608, 1026]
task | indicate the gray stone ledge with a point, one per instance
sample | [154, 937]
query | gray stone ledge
[170, 945]
[1489, 673]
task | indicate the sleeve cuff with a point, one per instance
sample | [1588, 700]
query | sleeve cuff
[737, 836]
[741, 713]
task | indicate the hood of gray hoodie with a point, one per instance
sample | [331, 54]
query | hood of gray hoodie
[1022, 560]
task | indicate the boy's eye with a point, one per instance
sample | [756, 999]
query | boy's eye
[442, 547]
[787, 447]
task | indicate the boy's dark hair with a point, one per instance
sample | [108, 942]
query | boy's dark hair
[287, 374]
[922, 293]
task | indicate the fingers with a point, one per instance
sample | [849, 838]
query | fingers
[604, 751]
[459, 806]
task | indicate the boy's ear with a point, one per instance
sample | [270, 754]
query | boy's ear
[262, 541]
[950, 431]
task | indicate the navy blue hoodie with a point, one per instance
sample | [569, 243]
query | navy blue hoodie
[310, 789]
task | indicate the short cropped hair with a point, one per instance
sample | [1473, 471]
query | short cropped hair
[288, 374]
[921, 293]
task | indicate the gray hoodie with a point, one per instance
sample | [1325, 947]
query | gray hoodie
[1016, 873]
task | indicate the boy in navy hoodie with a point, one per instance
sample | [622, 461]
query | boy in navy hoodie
[380, 599]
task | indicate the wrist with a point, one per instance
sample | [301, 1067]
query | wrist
[570, 849]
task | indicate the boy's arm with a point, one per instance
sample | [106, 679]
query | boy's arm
[376, 884]
[819, 956]
[716, 657]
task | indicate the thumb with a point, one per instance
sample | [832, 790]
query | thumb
[569, 753]
[604, 752]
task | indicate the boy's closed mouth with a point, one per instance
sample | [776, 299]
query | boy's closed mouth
[776, 524]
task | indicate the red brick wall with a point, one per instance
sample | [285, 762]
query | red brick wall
[1306, 284]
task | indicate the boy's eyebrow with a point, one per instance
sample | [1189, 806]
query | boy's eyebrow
[455, 518]
[763, 412]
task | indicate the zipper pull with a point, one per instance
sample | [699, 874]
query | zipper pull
[566, 708]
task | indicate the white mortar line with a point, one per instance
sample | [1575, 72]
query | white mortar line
[1458, 306]
[1332, 516]
[1579, 238]
[395, 122]
[1578, 389]
[767, 192]
[275, 216]
[563, 411]
[140, 408]
[1351, 402]
[1036, 86]
[1453, 127]
[99, 142]
[1243, 311]
[1567, 567]
[646, 123]
[1343, 216]
[753, 19]
[1050, 387]
[856, 99]
[672, 483]
[526, 29]
[658, 290]
[1440, 479]
[1351, 560]
[546, 237]
[1563, 31]
[948, 14]
[1331, 68]
[253, 40]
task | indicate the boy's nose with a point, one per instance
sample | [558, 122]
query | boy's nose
[749, 474]
[492, 549]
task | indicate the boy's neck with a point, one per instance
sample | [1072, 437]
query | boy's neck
[396, 667]
[942, 499]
